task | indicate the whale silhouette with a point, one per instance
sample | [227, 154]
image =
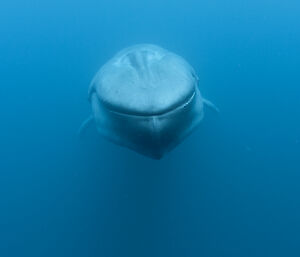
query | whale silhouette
[147, 99]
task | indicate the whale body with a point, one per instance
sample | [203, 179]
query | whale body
[147, 99]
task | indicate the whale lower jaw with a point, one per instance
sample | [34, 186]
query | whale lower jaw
[150, 135]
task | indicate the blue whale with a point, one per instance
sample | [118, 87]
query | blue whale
[147, 99]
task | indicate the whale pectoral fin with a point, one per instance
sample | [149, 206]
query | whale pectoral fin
[85, 125]
[211, 105]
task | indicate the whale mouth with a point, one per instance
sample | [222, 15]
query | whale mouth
[170, 110]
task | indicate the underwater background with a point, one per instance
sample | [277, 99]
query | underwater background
[231, 189]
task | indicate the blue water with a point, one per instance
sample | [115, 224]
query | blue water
[232, 189]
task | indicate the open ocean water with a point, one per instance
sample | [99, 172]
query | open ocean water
[231, 189]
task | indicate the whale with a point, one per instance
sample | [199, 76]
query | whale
[146, 98]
